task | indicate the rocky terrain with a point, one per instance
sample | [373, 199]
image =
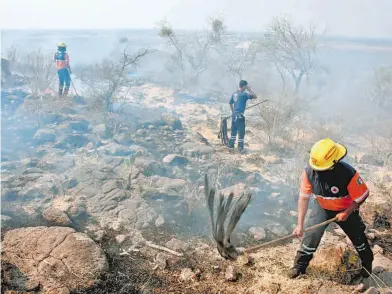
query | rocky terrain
[87, 212]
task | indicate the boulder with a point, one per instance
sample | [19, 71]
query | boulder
[258, 233]
[72, 141]
[56, 163]
[149, 167]
[277, 229]
[115, 149]
[77, 126]
[57, 258]
[236, 190]
[187, 275]
[167, 185]
[175, 160]
[56, 216]
[231, 274]
[5, 221]
[381, 263]
[43, 136]
[196, 149]
[123, 139]
[171, 121]
[177, 245]
[100, 131]
[337, 260]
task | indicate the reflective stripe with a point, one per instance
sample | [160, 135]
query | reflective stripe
[304, 195]
[362, 197]
[360, 246]
[306, 252]
[308, 248]
[332, 198]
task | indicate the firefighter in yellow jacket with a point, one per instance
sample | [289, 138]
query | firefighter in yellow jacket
[339, 191]
[61, 58]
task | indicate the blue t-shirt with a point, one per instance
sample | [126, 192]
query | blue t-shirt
[239, 100]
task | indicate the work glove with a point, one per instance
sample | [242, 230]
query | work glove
[342, 216]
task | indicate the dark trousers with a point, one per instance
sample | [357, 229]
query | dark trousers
[237, 126]
[353, 227]
[64, 78]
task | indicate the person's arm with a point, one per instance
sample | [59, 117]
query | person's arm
[68, 65]
[253, 94]
[231, 103]
[358, 192]
[303, 204]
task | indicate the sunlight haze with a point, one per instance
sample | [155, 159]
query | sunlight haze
[345, 18]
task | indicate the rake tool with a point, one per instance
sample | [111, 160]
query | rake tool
[230, 212]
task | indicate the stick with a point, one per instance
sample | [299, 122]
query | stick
[248, 107]
[73, 85]
[254, 248]
[149, 244]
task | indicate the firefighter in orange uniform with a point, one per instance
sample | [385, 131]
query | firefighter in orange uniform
[339, 191]
[61, 58]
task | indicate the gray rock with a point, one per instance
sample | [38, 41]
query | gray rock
[56, 216]
[159, 221]
[100, 131]
[115, 149]
[277, 229]
[196, 149]
[186, 274]
[55, 163]
[161, 261]
[5, 221]
[258, 233]
[123, 139]
[177, 245]
[121, 238]
[175, 159]
[74, 126]
[171, 121]
[43, 136]
[71, 183]
[231, 274]
[382, 263]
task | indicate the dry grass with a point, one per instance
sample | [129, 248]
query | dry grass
[267, 275]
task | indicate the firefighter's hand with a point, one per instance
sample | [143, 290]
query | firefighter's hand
[342, 216]
[298, 231]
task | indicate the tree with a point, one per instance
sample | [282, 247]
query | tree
[193, 53]
[37, 70]
[243, 55]
[291, 49]
[381, 87]
[103, 81]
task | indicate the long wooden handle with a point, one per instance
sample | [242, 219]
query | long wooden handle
[254, 248]
[248, 108]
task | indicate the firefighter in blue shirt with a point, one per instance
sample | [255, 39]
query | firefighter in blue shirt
[238, 104]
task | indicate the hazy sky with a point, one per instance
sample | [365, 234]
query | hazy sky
[370, 18]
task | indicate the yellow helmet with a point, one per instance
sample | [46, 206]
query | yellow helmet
[325, 153]
[61, 44]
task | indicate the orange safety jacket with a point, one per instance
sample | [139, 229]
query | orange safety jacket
[334, 189]
[62, 59]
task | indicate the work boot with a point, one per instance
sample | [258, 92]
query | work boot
[60, 92]
[295, 272]
[65, 92]
[243, 151]
[366, 270]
